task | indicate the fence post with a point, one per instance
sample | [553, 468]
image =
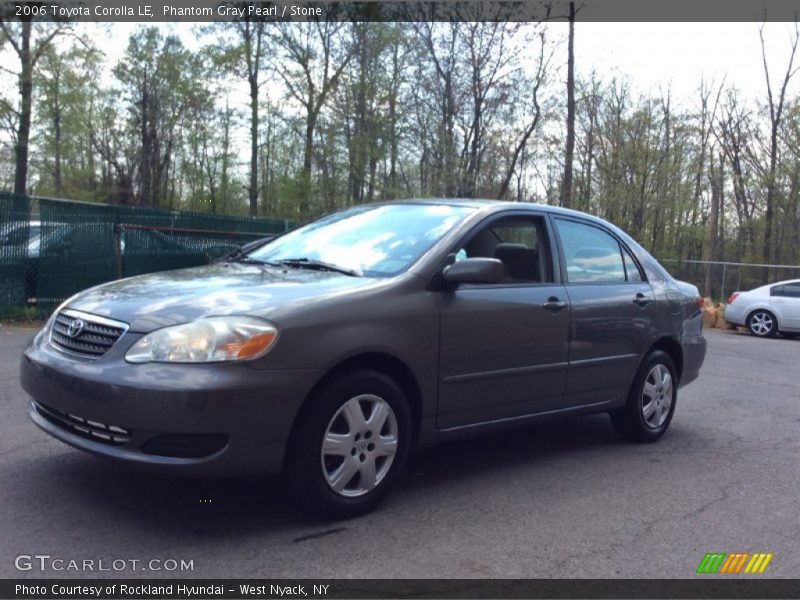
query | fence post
[722, 287]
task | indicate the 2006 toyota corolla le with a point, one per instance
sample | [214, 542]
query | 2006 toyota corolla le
[333, 350]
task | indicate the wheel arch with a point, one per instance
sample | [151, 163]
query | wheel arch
[382, 362]
[673, 350]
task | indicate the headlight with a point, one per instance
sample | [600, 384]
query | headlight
[213, 339]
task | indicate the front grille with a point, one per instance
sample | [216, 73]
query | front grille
[84, 334]
[92, 430]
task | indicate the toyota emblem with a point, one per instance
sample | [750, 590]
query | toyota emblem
[76, 328]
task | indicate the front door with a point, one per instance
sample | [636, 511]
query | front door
[503, 347]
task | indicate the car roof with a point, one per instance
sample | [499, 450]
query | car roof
[490, 206]
[487, 203]
[784, 282]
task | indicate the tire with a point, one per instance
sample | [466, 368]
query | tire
[362, 459]
[654, 391]
[762, 323]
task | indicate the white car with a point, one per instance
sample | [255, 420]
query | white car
[767, 310]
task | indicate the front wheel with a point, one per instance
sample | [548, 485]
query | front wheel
[651, 400]
[762, 323]
[349, 445]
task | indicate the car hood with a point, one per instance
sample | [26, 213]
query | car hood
[148, 302]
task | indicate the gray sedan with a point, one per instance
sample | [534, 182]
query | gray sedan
[332, 351]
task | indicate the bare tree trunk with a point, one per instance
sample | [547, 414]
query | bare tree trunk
[308, 155]
[26, 95]
[393, 135]
[57, 150]
[253, 188]
[566, 186]
[253, 42]
[775, 113]
[712, 232]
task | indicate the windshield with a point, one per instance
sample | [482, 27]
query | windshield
[376, 241]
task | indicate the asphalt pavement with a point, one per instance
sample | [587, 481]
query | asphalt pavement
[566, 499]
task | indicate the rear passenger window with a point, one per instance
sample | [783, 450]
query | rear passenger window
[591, 255]
[792, 290]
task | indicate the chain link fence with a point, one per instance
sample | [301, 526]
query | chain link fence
[718, 279]
[51, 248]
[14, 235]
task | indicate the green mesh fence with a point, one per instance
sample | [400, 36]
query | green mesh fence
[726, 278]
[14, 235]
[56, 247]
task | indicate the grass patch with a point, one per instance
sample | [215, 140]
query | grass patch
[22, 317]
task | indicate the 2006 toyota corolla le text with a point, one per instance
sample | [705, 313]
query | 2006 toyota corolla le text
[330, 352]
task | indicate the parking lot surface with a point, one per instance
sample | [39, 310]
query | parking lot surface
[566, 499]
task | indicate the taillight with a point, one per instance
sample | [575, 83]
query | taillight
[700, 302]
[732, 297]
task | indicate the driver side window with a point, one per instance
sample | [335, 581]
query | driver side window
[519, 243]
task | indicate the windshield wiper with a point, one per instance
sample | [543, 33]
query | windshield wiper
[318, 265]
[247, 260]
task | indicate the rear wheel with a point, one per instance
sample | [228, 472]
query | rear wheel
[350, 444]
[651, 400]
[762, 323]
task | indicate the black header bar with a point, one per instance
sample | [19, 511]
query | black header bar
[401, 11]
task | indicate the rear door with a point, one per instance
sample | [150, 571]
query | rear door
[612, 308]
[503, 347]
[785, 300]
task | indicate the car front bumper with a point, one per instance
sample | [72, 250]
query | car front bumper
[200, 420]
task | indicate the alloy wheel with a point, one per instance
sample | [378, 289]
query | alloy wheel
[359, 445]
[761, 323]
[657, 395]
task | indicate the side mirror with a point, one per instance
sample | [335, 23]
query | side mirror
[474, 270]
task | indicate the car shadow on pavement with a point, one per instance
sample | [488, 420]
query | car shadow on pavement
[223, 508]
[532, 445]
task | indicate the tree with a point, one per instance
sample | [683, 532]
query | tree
[775, 107]
[240, 49]
[716, 176]
[472, 97]
[66, 79]
[531, 118]
[362, 105]
[441, 81]
[313, 57]
[735, 132]
[569, 151]
[29, 46]
[160, 79]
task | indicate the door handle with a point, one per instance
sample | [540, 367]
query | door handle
[641, 299]
[554, 304]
